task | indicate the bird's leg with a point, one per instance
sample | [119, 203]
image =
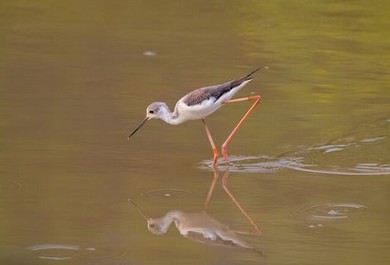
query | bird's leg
[257, 99]
[225, 178]
[213, 147]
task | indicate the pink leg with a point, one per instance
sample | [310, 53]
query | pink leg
[257, 99]
[213, 147]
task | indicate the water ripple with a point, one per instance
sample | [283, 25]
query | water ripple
[348, 156]
[67, 252]
[331, 211]
[364, 169]
[253, 164]
[54, 251]
[105, 253]
[166, 193]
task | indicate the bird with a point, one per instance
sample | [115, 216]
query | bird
[200, 103]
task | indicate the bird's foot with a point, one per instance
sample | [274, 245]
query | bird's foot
[225, 155]
[215, 157]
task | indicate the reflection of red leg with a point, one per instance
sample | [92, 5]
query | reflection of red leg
[212, 186]
[226, 188]
[213, 147]
[224, 145]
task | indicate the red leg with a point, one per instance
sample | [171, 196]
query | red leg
[213, 147]
[257, 99]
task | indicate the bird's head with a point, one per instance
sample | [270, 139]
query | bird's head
[156, 110]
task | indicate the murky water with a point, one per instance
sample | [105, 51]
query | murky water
[309, 176]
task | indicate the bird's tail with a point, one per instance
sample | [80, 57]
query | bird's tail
[250, 75]
[245, 79]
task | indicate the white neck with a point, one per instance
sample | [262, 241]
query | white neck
[170, 117]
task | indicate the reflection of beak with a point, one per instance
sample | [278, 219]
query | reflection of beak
[139, 209]
[139, 126]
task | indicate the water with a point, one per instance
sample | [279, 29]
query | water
[310, 167]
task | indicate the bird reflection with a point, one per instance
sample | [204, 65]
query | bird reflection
[200, 226]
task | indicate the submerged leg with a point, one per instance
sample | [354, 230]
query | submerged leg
[213, 147]
[257, 99]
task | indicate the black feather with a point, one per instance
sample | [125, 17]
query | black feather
[216, 91]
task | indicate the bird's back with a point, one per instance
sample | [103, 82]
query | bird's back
[203, 101]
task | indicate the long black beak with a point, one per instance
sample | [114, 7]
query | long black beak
[139, 209]
[139, 127]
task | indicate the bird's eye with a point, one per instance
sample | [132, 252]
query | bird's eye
[151, 111]
[151, 225]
